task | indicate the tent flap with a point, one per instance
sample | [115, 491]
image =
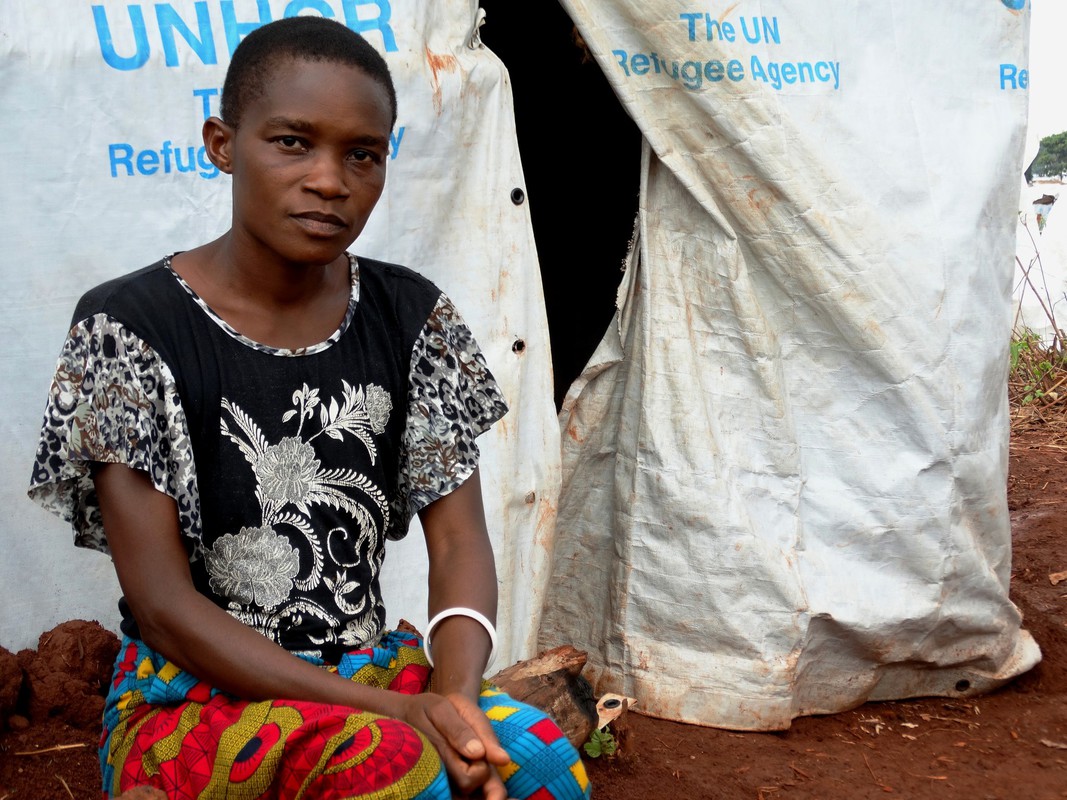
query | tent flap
[786, 495]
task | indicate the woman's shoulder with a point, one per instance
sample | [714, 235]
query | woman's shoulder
[139, 293]
[394, 279]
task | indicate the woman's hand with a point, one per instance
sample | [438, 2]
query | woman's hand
[464, 739]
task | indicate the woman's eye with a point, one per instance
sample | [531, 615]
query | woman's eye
[289, 141]
[362, 155]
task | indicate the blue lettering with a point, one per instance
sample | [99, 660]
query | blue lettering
[1011, 77]
[207, 169]
[692, 20]
[169, 21]
[789, 72]
[120, 153]
[769, 31]
[200, 36]
[379, 23]
[296, 6]
[718, 30]
[107, 43]
[713, 29]
[692, 75]
[714, 71]
[774, 75]
[166, 151]
[205, 96]
[235, 31]
[191, 165]
[167, 160]
[395, 138]
[755, 67]
[148, 162]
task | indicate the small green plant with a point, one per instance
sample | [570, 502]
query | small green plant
[1024, 341]
[601, 743]
[1037, 369]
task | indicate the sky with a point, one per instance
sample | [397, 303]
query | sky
[1048, 68]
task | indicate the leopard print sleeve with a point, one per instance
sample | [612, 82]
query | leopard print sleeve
[452, 399]
[113, 400]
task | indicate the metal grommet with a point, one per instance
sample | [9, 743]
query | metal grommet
[612, 702]
[519, 346]
[517, 196]
[963, 685]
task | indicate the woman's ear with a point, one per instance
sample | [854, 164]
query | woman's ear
[218, 142]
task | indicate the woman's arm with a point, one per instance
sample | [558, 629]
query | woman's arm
[141, 525]
[463, 573]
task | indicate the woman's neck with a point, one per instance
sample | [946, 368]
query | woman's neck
[270, 301]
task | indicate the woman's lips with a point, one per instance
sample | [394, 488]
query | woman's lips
[320, 223]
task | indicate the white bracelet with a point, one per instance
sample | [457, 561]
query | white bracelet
[461, 611]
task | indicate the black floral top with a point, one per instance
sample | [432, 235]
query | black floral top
[289, 467]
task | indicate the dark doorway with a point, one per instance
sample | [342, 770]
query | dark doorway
[581, 160]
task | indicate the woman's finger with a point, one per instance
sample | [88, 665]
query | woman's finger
[459, 746]
[493, 789]
[474, 717]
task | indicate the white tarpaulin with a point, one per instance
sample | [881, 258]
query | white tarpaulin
[104, 172]
[784, 470]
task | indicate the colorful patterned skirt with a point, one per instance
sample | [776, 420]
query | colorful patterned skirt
[167, 729]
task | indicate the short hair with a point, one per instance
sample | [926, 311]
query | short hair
[303, 38]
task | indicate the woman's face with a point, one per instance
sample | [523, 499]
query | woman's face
[308, 161]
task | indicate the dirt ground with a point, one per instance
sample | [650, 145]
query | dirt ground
[1010, 744]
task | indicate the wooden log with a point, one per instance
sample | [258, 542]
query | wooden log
[552, 682]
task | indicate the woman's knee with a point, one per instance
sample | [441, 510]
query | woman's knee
[542, 759]
[383, 757]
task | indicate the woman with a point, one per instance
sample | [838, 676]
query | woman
[241, 426]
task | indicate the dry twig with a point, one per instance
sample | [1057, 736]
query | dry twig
[800, 772]
[928, 777]
[51, 750]
[967, 722]
[878, 783]
[66, 787]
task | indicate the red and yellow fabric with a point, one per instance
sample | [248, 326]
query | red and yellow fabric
[167, 729]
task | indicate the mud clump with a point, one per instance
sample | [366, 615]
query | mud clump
[10, 684]
[67, 677]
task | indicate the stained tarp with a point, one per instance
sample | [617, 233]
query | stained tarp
[105, 172]
[785, 467]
